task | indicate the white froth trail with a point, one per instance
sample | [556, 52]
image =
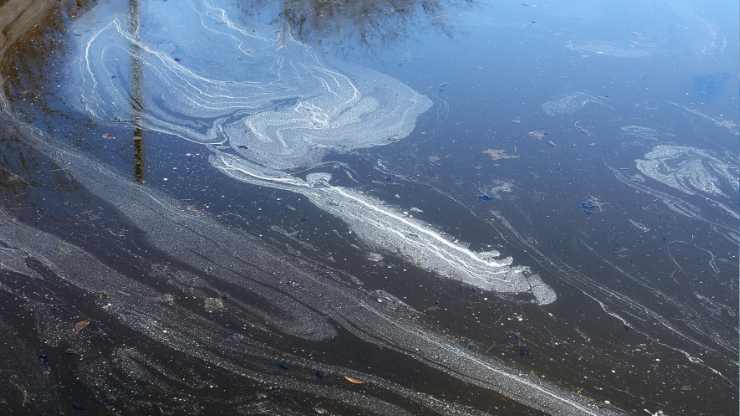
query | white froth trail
[387, 229]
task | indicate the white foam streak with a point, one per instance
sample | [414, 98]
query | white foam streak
[387, 229]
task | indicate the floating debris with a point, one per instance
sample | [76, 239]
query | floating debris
[212, 305]
[640, 226]
[167, 299]
[80, 326]
[591, 205]
[537, 134]
[375, 257]
[643, 132]
[498, 188]
[353, 380]
[498, 154]
[579, 126]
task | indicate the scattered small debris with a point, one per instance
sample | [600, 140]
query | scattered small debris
[108, 136]
[484, 197]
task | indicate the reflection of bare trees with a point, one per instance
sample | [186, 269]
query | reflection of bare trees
[369, 22]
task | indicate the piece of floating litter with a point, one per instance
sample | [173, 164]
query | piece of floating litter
[353, 380]
[81, 325]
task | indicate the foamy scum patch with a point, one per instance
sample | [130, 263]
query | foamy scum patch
[275, 106]
[268, 96]
[692, 182]
[690, 170]
[387, 229]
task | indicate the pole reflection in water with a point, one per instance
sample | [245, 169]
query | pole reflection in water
[137, 103]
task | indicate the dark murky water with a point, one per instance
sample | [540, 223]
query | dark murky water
[372, 207]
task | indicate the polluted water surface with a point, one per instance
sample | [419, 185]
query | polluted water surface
[368, 208]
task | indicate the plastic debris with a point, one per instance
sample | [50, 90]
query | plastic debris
[353, 380]
[80, 326]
